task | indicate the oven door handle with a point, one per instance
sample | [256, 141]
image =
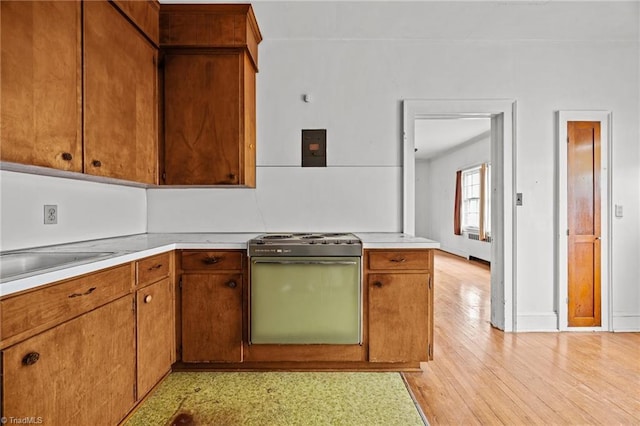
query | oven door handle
[306, 262]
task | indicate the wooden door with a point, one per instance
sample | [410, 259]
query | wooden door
[212, 317]
[41, 84]
[398, 317]
[155, 334]
[120, 72]
[202, 110]
[583, 210]
[79, 373]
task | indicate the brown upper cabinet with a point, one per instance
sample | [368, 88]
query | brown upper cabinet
[68, 62]
[210, 57]
[41, 74]
[120, 97]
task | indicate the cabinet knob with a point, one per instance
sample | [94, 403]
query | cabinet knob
[211, 260]
[96, 163]
[231, 176]
[148, 298]
[66, 156]
[232, 284]
[31, 358]
[377, 284]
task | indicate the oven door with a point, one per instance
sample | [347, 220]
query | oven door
[305, 300]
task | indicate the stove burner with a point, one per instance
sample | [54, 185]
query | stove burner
[335, 234]
[277, 237]
[312, 237]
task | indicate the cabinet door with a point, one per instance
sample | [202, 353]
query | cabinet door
[212, 317]
[155, 328]
[398, 317]
[79, 373]
[40, 84]
[120, 133]
[202, 110]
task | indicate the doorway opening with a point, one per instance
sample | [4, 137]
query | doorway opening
[444, 150]
[500, 114]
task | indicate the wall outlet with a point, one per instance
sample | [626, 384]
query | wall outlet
[50, 214]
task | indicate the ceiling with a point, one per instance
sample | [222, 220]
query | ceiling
[434, 136]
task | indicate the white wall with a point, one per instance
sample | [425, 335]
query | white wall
[86, 210]
[286, 199]
[435, 195]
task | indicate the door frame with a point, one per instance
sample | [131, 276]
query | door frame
[604, 118]
[502, 113]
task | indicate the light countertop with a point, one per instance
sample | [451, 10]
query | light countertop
[134, 247]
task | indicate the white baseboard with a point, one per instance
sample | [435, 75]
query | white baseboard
[626, 323]
[537, 322]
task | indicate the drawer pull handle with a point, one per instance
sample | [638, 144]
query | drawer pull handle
[211, 260]
[377, 284]
[232, 284]
[154, 267]
[148, 298]
[66, 156]
[31, 358]
[398, 260]
[91, 290]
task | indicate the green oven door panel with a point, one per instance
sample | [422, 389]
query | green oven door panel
[299, 300]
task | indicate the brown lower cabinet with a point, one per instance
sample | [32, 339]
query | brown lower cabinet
[398, 313]
[212, 318]
[81, 372]
[400, 295]
[85, 350]
[211, 299]
[155, 319]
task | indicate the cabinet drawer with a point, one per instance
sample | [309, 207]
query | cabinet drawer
[212, 260]
[399, 259]
[153, 269]
[50, 306]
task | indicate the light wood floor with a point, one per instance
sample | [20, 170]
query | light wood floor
[481, 375]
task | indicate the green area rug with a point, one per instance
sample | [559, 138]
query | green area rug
[279, 398]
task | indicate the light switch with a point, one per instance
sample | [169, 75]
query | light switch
[519, 199]
[618, 210]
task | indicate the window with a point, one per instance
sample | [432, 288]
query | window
[471, 199]
[475, 200]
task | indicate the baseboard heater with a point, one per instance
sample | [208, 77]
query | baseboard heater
[477, 237]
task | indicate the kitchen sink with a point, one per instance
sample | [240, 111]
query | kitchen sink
[19, 263]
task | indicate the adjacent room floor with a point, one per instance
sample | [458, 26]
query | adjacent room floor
[481, 375]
